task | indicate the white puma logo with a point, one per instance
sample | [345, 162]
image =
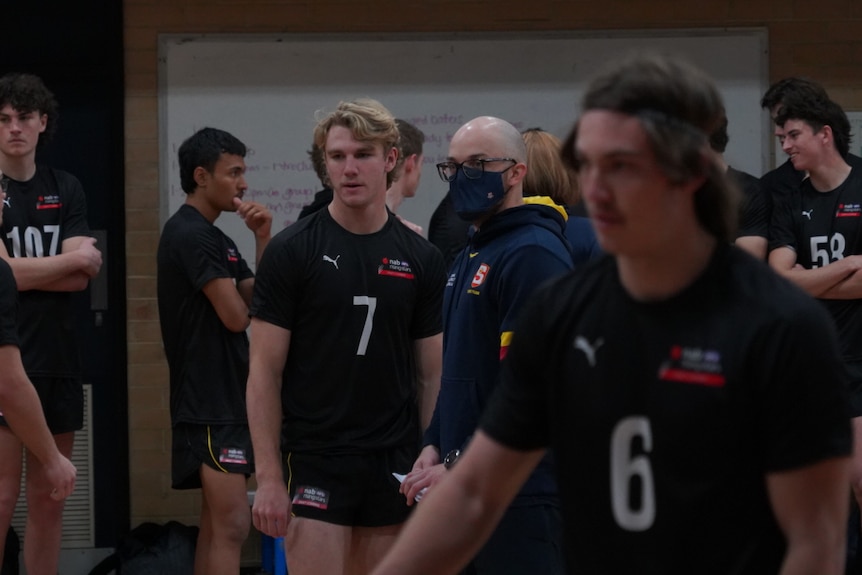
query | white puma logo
[332, 261]
[808, 213]
[582, 344]
[6, 202]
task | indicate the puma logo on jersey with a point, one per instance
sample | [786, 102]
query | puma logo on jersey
[808, 213]
[7, 203]
[332, 261]
[589, 350]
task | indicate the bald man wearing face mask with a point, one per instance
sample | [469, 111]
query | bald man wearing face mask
[514, 247]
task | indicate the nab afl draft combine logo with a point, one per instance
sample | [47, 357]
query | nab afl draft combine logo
[693, 365]
[51, 202]
[395, 268]
[311, 497]
[232, 255]
[848, 211]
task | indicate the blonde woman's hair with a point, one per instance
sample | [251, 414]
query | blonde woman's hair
[547, 175]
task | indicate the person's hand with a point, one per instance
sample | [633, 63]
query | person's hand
[256, 217]
[61, 474]
[90, 256]
[428, 457]
[426, 472]
[271, 510]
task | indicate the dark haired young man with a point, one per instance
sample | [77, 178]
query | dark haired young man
[817, 232]
[204, 290]
[692, 398]
[47, 244]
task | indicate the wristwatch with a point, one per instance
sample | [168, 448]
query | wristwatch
[451, 458]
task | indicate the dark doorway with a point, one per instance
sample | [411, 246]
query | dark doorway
[77, 49]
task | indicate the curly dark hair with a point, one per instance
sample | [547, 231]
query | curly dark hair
[817, 111]
[28, 93]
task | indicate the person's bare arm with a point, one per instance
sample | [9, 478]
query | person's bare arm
[811, 507]
[458, 515]
[228, 302]
[259, 220]
[848, 288]
[70, 270]
[815, 281]
[23, 411]
[429, 359]
[268, 354]
[755, 245]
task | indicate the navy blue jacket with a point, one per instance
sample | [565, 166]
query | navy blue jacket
[489, 283]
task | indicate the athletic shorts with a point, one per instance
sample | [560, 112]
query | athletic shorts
[353, 490]
[225, 448]
[62, 402]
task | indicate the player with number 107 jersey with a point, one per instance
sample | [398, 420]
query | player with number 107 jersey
[39, 214]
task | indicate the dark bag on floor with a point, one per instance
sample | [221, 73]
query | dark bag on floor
[153, 549]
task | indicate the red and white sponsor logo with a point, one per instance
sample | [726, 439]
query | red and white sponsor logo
[694, 366]
[481, 275]
[848, 211]
[232, 455]
[394, 267]
[311, 497]
[48, 202]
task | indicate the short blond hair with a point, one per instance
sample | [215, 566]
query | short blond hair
[367, 119]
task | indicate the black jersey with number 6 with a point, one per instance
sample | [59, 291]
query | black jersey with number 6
[665, 417]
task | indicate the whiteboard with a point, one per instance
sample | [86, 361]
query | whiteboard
[266, 89]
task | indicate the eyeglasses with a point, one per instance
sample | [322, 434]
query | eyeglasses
[473, 168]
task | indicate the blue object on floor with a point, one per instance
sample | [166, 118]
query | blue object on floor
[272, 555]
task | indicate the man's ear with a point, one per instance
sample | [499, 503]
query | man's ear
[826, 135]
[201, 176]
[517, 173]
[391, 159]
[410, 163]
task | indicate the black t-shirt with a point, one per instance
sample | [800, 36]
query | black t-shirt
[448, 231]
[355, 304]
[8, 306]
[823, 227]
[785, 179]
[320, 201]
[756, 205]
[664, 417]
[40, 214]
[208, 362]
